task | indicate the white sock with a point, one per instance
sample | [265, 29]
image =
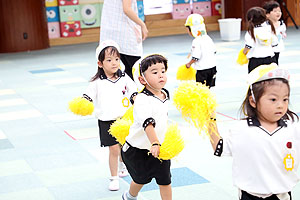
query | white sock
[130, 197]
[121, 166]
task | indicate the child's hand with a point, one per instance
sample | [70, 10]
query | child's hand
[283, 34]
[155, 149]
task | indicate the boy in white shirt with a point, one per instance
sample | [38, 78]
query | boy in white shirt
[203, 51]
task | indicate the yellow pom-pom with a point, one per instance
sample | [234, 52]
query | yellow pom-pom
[242, 58]
[184, 73]
[120, 129]
[81, 106]
[128, 114]
[196, 103]
[173, 143]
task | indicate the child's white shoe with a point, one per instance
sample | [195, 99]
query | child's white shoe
[114, 184]
[126, 196]
[122, 170]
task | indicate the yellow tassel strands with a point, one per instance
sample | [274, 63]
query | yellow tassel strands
[184, 73]
[242, 58]
[173, 143]
[196, 103]
[120, 128]
[81, 106]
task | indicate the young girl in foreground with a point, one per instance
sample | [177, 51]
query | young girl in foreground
[110, 90]
[265, 146]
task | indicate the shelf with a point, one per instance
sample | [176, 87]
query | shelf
[158, 25]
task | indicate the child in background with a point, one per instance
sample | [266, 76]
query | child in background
[150, 113]
[265, 146]
[110, 90]
[259, 39]
[273, 13]
[203, 51]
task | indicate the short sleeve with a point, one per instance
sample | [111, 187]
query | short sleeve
[227, 144]
[142, 111]
[249, 42]
[196, 49]
[91, 91]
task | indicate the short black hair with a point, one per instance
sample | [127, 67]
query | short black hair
[270, 5]
[152, 60]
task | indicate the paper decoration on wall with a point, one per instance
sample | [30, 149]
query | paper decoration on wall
[70, 29]
[52, 14]
[53, 30]
[90, 15]
[69, 13]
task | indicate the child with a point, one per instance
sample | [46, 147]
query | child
[265, 146]
[259, 39]
[273, 13]
[203, 51]
[147, 132]
[110, 90]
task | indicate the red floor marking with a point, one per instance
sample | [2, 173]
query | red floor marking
[226, 116]
[70, 135]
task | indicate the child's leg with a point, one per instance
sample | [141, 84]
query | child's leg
[114, 152]
[165, 192]
[135, 188]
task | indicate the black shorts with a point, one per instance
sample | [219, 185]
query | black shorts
[106, 139]
[247, 196]
[142, 166]
[207, 76]
[129, 61]
[277, 57]
[255, 62]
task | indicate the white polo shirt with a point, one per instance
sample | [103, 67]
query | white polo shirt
[111, 98]
[258, 156]
[280, 31]
[203, 48]
[115, 25]
[148, 109]
[264, 42]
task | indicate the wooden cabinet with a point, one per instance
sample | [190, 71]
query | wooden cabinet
[23, 25]
[238, 9]
[293, 6]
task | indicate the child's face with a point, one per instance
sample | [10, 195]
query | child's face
[273, 104]
[275, 14]
[110, 64]
[156, 76]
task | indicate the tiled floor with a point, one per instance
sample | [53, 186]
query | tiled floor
[47, 153]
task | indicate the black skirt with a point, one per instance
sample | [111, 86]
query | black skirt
[106, 139]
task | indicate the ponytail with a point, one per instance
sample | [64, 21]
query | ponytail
[272, 26]
[251, 29]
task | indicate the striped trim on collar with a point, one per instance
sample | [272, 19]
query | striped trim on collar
[102, 75]
[149, 93]
[253, 121]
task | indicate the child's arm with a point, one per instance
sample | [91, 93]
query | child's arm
[133, 16]
[214, 134]
[246, 49]
[155, 144]
[188, 65]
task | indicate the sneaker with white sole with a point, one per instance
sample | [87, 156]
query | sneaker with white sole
[114, 184]
[122, 170]
[126, 196]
